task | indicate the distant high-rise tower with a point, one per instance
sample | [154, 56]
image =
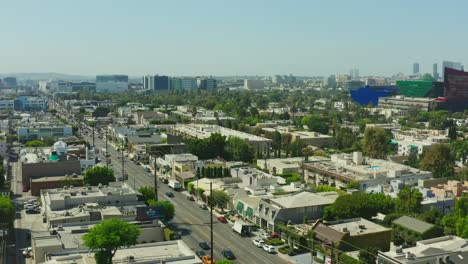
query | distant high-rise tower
[435, 74]
[354, 73]
[452, 65]
[415, 68]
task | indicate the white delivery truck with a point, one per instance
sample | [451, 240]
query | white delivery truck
[174, 184]
[242, 228]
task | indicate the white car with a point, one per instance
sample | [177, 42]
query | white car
[27, 252]
[258, 242]
[265, 236]
[29, 206]
[269, 248]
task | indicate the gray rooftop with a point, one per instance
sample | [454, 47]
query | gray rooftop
[413, 224]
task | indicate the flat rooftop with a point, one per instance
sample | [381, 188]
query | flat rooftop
[173, 252]
[304, 199]
[357, 226]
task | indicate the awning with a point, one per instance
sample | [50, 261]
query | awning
[413, 146]
[393, 142]
[240, 206]
[249, 211]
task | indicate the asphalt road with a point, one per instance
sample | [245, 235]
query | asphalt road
[190, 217]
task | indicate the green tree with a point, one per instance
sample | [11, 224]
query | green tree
[452, 132]
[224, 261]
[413, 160]
[108, 236]
[439, 160]
[147, 193]
[408, 200]
[358, 205]
[345, 138]
[98, 174]
[34, 144]
[239, 150]
[168, 208]
[368, 255]
[219, 198]
[276, 144]
[460, 147]
[316, 123]
[7, 211]
[376, 143]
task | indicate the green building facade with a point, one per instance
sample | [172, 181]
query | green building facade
[420, 88]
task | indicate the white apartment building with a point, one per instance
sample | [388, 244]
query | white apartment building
[346, 168]
[253, 84]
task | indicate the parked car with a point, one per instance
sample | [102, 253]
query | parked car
[227, 253]
[29, 206]
[204, 245]
[169, 194]
[204, 207]
[258, 243]
[265, 236]
[25, 189]
[269, 248]
[27, 252]
[274, 235]
[222, 219]
[190, 198]
[33, 211]
[200, 253]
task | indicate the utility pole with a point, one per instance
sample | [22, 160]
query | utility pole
[155, 178]
[94, 146]
[211, 221]
[106, 155]
[123, 170]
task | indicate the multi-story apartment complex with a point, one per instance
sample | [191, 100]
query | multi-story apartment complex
[30, 103]
[38, 130]
[205, 83]
[204, 131]
[345, 168]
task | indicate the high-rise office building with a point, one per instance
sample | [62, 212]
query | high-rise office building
[435, 73]
[330, 82]
[415, 68]
[205, 83]
[161, 83]
[148, 82]
[9, 81]
[451, 65]
[111, 83]
[354, 73]
[456, 89]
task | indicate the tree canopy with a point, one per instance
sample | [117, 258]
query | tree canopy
[358, 205]
[439, 160]
[7, 211]
[376, 143]
[98, 174]
[316, 123]
[408, 200]
[108, 236]
[168, 211]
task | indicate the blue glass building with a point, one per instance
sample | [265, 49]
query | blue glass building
[370, 94]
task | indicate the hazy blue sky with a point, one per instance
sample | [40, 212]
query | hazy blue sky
[230, 37]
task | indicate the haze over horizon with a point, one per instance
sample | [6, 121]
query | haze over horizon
[305, 38]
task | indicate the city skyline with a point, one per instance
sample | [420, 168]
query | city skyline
[305, 38]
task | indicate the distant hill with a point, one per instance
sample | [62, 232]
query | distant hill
[47, 76]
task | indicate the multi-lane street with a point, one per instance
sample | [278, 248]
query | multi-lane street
[190, 217]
